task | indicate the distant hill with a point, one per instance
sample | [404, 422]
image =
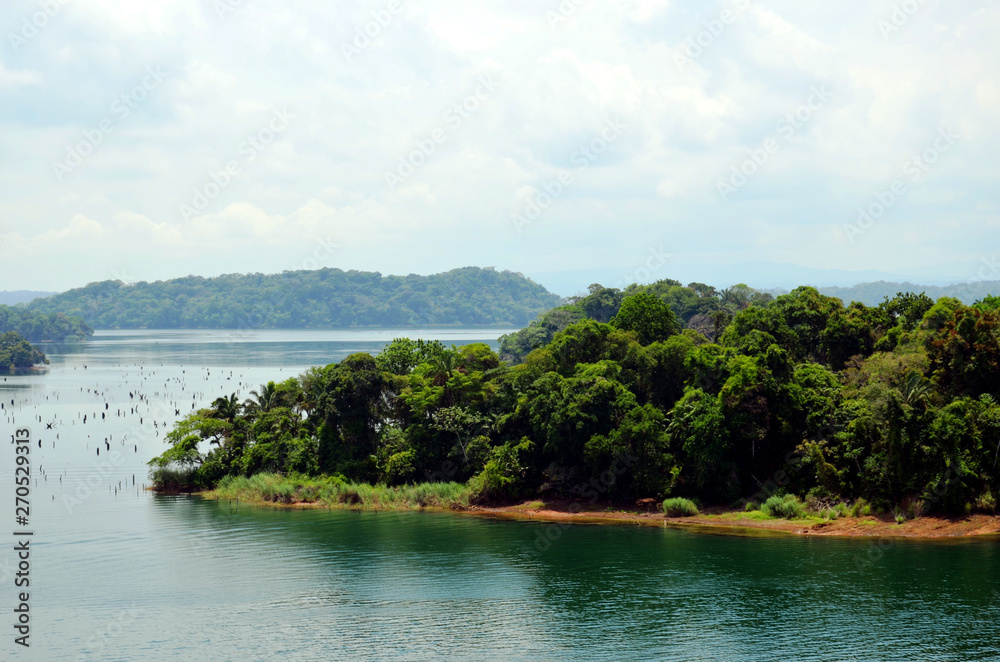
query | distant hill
[37, 326]
[872, 294]
[21, 296]
[324, 298]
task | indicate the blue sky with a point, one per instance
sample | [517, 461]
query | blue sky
[572, 141]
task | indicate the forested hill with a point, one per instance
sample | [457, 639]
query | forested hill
[324, 298]
[36, 326]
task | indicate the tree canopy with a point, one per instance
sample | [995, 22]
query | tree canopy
[36, 326]
[323, 298]
[610, 397]
[16, 352]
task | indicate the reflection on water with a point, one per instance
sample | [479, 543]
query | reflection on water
[120, 574]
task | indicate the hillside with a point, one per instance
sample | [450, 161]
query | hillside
[38, 326]
[324, 298]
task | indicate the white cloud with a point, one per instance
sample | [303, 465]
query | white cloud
[325, 174]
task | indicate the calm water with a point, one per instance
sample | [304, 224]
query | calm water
[119, 574]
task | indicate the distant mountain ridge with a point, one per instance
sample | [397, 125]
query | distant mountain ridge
[15, 297]
[323, 298]
[872, 294]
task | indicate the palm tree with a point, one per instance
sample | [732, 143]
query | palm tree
[226, 408]
[263, 400]
[915, 389]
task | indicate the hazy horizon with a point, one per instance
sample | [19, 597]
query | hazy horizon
[572, 142]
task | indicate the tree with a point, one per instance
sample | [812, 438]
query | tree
[16, 352]
[965, 353]
[648, 317]
[264, 399]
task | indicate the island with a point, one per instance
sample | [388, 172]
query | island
[692, 401]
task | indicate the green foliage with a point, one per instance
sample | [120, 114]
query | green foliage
[36, 326]
[16, 352]
[335, 492]
[402, 355]
[680, 507]
[505, 473]
[646, 316]
[324, 298]
[894, 405]
[784, 507]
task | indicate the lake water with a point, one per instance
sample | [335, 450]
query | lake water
[118, 573]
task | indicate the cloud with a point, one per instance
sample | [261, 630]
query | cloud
[357, 118]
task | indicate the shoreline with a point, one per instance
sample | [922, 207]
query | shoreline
[712, 522]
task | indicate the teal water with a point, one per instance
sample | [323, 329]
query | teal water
[121, 574]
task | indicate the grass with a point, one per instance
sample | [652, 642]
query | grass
[678, 507]
[335, 492]
[786, 507]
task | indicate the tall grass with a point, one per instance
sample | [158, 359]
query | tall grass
[335, 492]
[787, 507]
[678, 507]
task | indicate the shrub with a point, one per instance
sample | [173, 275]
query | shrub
[787, 507]
[678, 507]
[750, 507]
[173, 479]
[986, 503]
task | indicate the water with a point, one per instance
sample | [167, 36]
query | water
[120, 574]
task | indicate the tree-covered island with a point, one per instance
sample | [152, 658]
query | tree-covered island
[17, 353]
[661, 391]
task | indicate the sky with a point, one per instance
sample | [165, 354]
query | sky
[575, 141]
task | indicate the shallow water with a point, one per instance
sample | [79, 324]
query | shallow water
[120, 574]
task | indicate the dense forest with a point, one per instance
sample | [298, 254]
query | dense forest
[323, 298]
[16, 352]
[37, 326]
[657, 391]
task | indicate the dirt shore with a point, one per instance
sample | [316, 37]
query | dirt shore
[740, 523]
[712, 521]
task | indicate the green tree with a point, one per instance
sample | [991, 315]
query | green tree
[646, 316]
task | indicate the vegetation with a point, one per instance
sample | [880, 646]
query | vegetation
[16, 352]
[680, 507]
[323, 298]
[785, 507]
[658, 391]
[335, 492]
[37, 326]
